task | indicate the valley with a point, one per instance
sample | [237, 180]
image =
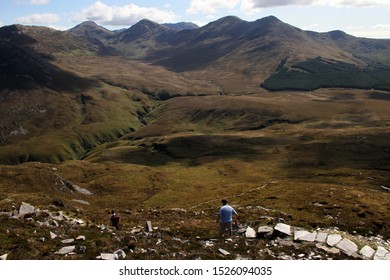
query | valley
[288, 125]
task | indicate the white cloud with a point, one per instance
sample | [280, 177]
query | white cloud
[254, 6]
[380, 31]
[210, 6]
[334, 3]
[38, 19]
[1, 24]
[122, 15]
[39, 2]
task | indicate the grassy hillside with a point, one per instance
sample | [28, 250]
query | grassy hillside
[319, 73]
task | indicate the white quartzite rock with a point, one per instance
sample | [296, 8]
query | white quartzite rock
[347, 246]
[108, 257]
[265, 230]
[25, 209]
[3, 257]
[66, 250]
[250, 233]
[382, 254]
[283, 228]
[53, 235]
[223, 252]
[302, 235]
[321, 237]
[367, 252]
[67, 241]
[81, 237]
[333, 239]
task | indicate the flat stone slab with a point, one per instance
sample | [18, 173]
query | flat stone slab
[108, 257]
[367, 252]
[283, 228]
[223, 252]
[81, 201]
[327, 249]
[333, 239]
[303, 235]
[66, 250]
[321, 237]
[67, 241]
[25, 209]
[264, 229]
[348, 246]
[382, 254]
[250, 233]
[81, 237]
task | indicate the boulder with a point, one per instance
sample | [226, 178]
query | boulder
[302, 235]
[25, 209]
[265, 231]
[382, 254]
[333, 239]
[367, 252]
[241, 231]
[250, 233]
[321, 237]
[3, 257]
[283, 229]
[66, 250]
[347, 246]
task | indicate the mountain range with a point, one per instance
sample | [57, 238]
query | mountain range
[161, 122]
[98, 73]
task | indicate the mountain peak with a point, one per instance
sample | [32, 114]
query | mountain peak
[91, 30]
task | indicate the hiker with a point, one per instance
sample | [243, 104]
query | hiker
[114, 220]
[225, 218]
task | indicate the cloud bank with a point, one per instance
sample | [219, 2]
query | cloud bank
[123, 15]
[38, 19]
[39, 2]
[251, 6]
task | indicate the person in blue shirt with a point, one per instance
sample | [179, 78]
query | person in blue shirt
[225, 218]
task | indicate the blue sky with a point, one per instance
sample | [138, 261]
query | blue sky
[365, 18]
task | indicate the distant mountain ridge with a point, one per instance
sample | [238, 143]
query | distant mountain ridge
[280, 55]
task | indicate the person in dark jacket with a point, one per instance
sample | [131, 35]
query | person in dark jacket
[114, 220]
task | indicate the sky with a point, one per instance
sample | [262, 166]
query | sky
[362, 18]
